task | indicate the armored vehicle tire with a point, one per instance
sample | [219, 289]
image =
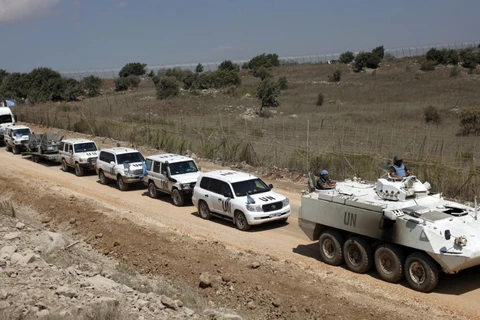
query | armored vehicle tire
[101, 176]
[331, 247]
[152, 190]
[241, 222]
[64, 166]
[177, 198]
[78, 170]
[121, 184]
[421, 272]
[35, 158]
[204, 211]
[389, 262]
[358, 254]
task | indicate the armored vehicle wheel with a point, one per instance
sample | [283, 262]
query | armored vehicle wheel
[204, 211]
[389, 261]
[7, 148]
[177, 198]
[421, 272]
[101, 176]
[78, 170]
[64, 166]
[358, 254]
[35, 158]
[16, 150]
[241, 222]
[121, 184]
[331, 247]
[152, 190]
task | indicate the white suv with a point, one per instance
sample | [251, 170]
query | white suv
[16, 138]
[124, 165]
[172, 174]
[80, 154]
[242, 197]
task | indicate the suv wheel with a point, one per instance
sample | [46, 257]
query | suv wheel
[177, 198]
[204, 211]
[152, 190]
[78, 170]
[16, 150]
[121, 184]
[241, 222]
[101, 176]
[64, 165]
[7, 147]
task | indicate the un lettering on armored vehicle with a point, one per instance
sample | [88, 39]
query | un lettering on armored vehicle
[398, 226]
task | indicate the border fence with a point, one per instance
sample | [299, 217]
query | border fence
[292, 60]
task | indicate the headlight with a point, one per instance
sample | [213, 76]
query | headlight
[185, 185]
[254, 208]
[81, 160]
[285, 202]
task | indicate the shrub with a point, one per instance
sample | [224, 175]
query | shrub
[470, 59]
[177, 73]
[336, 76]
[121, 84]
[470, 121]
[428, 65]
[283, 83]
[72, 89]
[224, 78]
[320, 99]
[15, 85]
[366, 60]
[199, 68]
[91, 85]
[228, 65]
[167, 87]
[133, 68]
[244, 65]
[434, 55]
[268, 61]
[133, 81]
[346, 57]
[262, 73]
[151, 74]
[379, 52]
[267, 93]
[452, 57]
[431, 115]
[3, 74]
[443, 56]
[155, 80]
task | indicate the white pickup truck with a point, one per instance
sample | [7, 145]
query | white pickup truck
[16, 138]
[80, 154]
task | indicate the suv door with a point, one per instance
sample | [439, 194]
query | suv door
[69, 155]
[166, 183]
[105, 165]
[155, 174]
[220, 203]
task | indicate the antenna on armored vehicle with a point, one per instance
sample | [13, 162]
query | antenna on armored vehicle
[476, 207]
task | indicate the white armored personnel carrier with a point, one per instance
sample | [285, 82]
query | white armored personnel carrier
[396, 225]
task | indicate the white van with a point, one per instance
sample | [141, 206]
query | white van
[6, 119]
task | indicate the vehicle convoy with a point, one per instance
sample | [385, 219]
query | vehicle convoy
[6, 119]
[124, 165]
[16, 138]
[171, 174]
[240, 197]
[43, 146]
[396, 225]
[80, 154]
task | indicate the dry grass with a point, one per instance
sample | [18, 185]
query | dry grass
[7, 208]
[372, 114]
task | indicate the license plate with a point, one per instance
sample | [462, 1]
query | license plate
[275, 215]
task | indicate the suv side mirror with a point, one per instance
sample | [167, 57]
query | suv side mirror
[447, 235]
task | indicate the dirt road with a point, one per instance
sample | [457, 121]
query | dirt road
[158, 237]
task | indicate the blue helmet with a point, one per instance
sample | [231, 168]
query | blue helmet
[323, 172]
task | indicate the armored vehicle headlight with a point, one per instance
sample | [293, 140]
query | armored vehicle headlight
[285, 202]
[461, 241]
[254, 208]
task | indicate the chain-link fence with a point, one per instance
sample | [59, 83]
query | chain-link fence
[318, 58]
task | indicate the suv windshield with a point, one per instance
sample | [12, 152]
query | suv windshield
[130, 157]
[253, 186]
[85, 147]
[21, 132]
[5, 118]
[182, 167]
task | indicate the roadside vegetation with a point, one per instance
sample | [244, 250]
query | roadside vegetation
[347, 116]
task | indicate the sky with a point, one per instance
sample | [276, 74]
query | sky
[100, 34]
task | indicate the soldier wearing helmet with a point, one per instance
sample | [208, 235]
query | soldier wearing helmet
[324, 181]
[399, 170]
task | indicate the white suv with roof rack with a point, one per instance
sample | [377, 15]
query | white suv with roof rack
[240, 197]
[172, 174]
[80, 154]
[16, 138]
[124, 165]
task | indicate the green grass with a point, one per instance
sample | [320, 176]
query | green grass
[364, 116]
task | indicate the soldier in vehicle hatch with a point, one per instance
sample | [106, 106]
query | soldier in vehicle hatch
[399, 170]
[324, 182]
